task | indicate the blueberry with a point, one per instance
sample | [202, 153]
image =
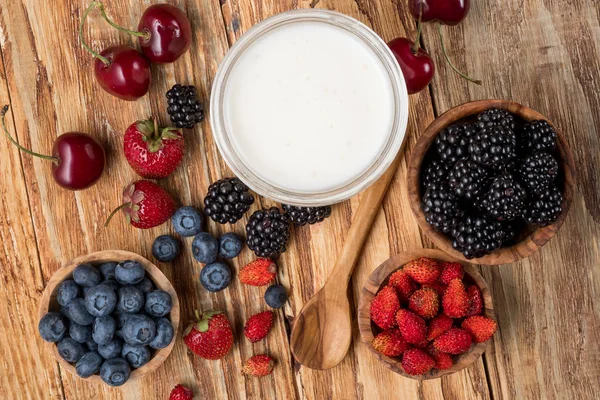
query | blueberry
[145, 285]
[131, 299]
[230, 245]
[67, 291]
[89, 364]
[166, 248]
[111, 283]
[139, 330]
[104, 329]
[80, 333]
[86, 275]
[164, 334]
[107, 270]
[53, 327]
[70, 350]
[129, 272]
[215, 277]
[92, 345]
[158, 303]
[111, 349]
[187, 221]
[115, 372]
[77, 312]
[136, 356]
[120, 318]
[100, 300]
[276, 296]
[205, 248]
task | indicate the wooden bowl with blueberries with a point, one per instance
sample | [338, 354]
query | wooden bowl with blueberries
[491, 181]
[110, 316]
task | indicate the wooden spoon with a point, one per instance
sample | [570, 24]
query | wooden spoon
[322, 331]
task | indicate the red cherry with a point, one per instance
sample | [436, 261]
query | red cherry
[170, 33]
[126, 75]
[418, 69]
[448, 12]
[77, 158]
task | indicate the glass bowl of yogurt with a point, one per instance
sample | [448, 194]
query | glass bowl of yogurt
[309, 107]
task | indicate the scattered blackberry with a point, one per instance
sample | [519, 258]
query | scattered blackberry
[538, 171]
[434, 173]
[452, 142]
[545, 208]
[227, 200]
[441, 207]
[306, 215]
[466, 178]
[495, 116]
[267, 232]
[506, 199]
[539, 136]
[183, 107]
[478, 236]
[493, 146]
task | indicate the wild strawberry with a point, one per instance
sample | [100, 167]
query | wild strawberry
[258, 326]
[451, 270]
[424, 302]
[259, 272]
[210, 337]
[475, 301]
[443, 361]
[152, 152]
[438, 325]
[455, 301]
[481, 328]
[439, 287]
[259, 365]
[424, 270]
[454, 341]
[390, 343]
[412, 327]
[403, 284]
[384, 307]
[181, 392]
[417, 362]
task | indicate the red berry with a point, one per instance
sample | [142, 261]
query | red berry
[390, 343]
[424, 270]
[259, 365]
[258, 326]
[481, 328]
[454, 341]
[440, 324]
[384, 307]
[169, 33]
[448, 12]
[259, 272]
[424, 302]
[403, 284]
[475, 299]
[181, 392]
[451, 270]
[417, 362]
[412, 327]
[418, 68]
[210, 337]
[455, 301]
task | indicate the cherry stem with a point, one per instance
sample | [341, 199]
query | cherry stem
[45, 157]
[112, 214]
[145, 35]
[475, 81]
[97, 55]
[417, 45]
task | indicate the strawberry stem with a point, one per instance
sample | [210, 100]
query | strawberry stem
[112, 214]
[43, 156]
[475, 81]
[144, 35]
[97, 55]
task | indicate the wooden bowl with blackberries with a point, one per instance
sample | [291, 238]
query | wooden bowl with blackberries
[491, 181]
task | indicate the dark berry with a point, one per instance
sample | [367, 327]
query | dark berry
[121, 318]
[86, 275]
[166, 248]
[435, 172]
[77, 312]
[493, 146]
[139, 330]
[129, 272]
[227, 200]
[67, 291]
[91, 345]
[115, 372]
[539, 136]
[111, 283]
[495, 116]
[164, 334]
[538, 171]
[80, 333]
[215, 277]
[545, 207]
[230, 245]
[441, 207]
[452, 142]
[158, 303]
[506, 198]
[145, 285]
[136, 356]
[89, 364]
[306, 215]
[276, 296]
[466, 178]
[267, 233]
[70, 350]
[477, 236]
[107, 270]
[187, 221]
[184, 109]
[100, 300]
[111, 349]
[104, 329]
[130, 300]
[205, 248]
[53, 327]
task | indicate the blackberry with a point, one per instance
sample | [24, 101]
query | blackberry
[183, 107]
[306, 215]
[452, 142]
[477, 236]
[545, 208]
[441, 207]
[539, 136]
[268, 232]
[506, 199]
[466, 178]
[227, 200]
[434, 173]
[495, 116]
[538, 171]
[493, 146]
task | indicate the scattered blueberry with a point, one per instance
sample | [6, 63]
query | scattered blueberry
[80, 333]
[89, 364]
[129, 272]
[86, 275]
[120, 318]
[205, 248]
[53, 327]
[145, 285]
[215, 277]
[187, 221]
[67, 291]
[276, 296]
[139, 330]
[100, 300]
[230, 245]
[70, 350]
[166, 248]
[111, 349]
[131, 300]
[158, 303]
[111, 283]
[78, 313]
[164, 334]
[91, 345]
[136, 356]
[115, 372]
[104, 329]
[107, 270]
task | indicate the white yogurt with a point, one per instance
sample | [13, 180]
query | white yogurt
[308, 107]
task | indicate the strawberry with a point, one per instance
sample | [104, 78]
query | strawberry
[403, 284]
[481, 328]
[259, 365]
[412, 327]
[145, 204]
[439, 287]
[475, 301]
[384, 307]
[438, 325]
[454, 341]
[152, 152]
[259, 272]
[424, 270]
[258, 326]
[451, 270]
[455, 301]
[181, 392]
[210, 337]
[424, 302]
[390, 343]
[417, 362]
[443, 361]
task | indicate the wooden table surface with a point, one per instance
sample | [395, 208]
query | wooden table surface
[542, 53]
